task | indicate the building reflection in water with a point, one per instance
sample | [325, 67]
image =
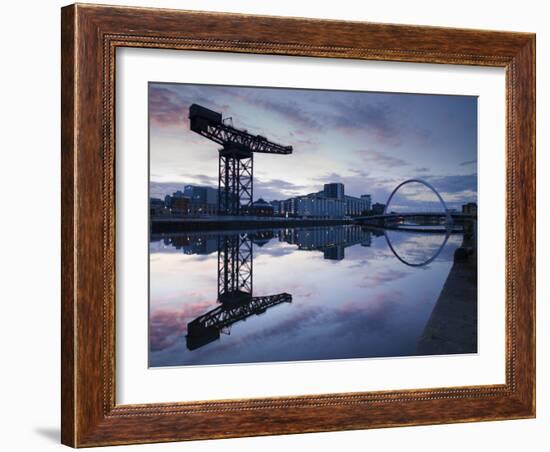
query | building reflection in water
[332, 241]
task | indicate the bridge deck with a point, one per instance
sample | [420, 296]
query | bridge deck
[455, 215]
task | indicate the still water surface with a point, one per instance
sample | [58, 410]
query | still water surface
[291, 294]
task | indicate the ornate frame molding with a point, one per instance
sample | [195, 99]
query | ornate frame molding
[90, 37]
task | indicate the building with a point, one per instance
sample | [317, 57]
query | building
[261, 238]
[334, 253]
[157, 207]
[354, 206]
[261, 208]
[378, 208]
[276, 207]
[169, 199]
[313, 205]
[357, 206]
[193, 201]
[334, 190]
[470, 208]
[367, 198]
[180, 206]
[330, 240]
[193, 243]
[201, 195]
[331, 202]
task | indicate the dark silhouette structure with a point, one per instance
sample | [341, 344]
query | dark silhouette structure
[234, 293]
[207, 327]
[236, 158]
[234, 268]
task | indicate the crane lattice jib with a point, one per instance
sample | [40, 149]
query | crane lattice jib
[224, 316]
[209, 124]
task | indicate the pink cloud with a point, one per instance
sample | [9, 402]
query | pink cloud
[166, 326]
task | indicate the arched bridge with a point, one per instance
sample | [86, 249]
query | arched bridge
[386, 218]
[394, 220]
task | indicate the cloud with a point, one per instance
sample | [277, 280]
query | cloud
[377, 158]
[276, 189]
[469, 162]
[423, 170]
[354, 325]
[161, 189]
[374, 117]
[418, 248]
[201, 179]
[378, 117]
[165, 106]
[269, 251]
[268, 189]
[359, 172]
[379, 187]
[454, 183]
[169, 104]
[167, 326]
[361, 320]
[290, 111]
[381, 277]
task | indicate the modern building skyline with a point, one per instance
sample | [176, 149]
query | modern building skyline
[331, 202]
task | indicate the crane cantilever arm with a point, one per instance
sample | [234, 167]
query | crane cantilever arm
[209, 124]
[206, 328]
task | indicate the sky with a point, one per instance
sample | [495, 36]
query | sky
[369, 141]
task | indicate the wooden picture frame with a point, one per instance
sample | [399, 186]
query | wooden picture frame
[90, 36]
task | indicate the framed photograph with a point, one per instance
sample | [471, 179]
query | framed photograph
[281, 225]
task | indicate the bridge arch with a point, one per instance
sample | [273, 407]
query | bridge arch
[426, 261]
[426, 184]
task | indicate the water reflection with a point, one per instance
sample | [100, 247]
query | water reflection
[235, 256]
[423, 260]
[292, 293]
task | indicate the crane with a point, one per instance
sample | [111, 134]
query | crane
[207, 327]
[236, 158]
[236, 302]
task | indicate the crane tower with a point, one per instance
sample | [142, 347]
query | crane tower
[236, 158]
[235, 298]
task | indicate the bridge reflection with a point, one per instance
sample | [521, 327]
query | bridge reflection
[425, 261]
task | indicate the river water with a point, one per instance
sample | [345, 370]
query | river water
[292, 294]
